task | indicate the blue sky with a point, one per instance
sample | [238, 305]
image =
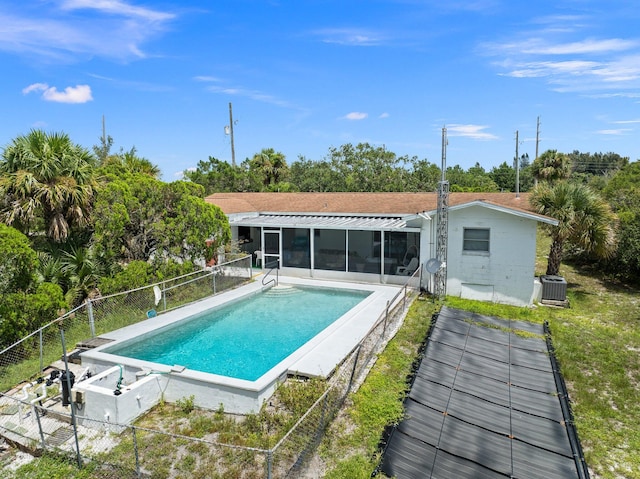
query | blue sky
[304, 76]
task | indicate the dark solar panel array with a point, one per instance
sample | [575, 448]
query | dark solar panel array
[483, 404]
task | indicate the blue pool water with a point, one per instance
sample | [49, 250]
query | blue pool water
[247, 338]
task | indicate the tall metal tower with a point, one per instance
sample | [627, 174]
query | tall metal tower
[443, 224]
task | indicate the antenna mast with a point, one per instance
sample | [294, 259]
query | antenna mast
[104, 132]
[443, 224]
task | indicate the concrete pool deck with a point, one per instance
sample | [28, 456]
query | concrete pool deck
[317, 357]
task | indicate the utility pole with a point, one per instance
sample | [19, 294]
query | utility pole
[233, 150]
[517, 168]
[537, 136]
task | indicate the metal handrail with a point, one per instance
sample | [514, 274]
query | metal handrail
[274, 265]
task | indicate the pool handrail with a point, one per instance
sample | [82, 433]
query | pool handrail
[273, 265]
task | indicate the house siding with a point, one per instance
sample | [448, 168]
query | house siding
[506, 273]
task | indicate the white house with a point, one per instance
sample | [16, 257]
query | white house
[382, 237]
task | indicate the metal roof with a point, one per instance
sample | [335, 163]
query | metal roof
[485, 403]
[323, 221]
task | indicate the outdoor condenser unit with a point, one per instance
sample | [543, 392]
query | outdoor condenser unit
[554, 288]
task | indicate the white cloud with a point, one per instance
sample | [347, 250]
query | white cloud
[243, 92]
[35, 87]
[74, 30]
[626, 122]
[350, 36]
[549, 68]
[581, 75]
[539, 46]
[77, 94]
[116, 7]
[564, 52]
[613, 132]
[355, 115]
[615, 95]
[384, 115]
[206, 78]
[470, 131]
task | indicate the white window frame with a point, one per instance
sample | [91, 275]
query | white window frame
[476, 241]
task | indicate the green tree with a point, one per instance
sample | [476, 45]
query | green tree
[313, 176]
[103, 150]
[192, 229]
[46, 181]
[551, 166]
[129, 162]
[585, 220]
[270, 167]
[475, 179]
[366, 168]
[140, 218]
[135, 274]
[128, 211]
[504, 176]
[25, 305]
[82, 269]
[22, 312]
[424, 176]
[18, 261]
[596, 164]
[623, 193]
[218, 176]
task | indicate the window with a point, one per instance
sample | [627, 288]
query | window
[399, 249]
[362, 257]
[475, 240]
[330, 249]
[296, 248]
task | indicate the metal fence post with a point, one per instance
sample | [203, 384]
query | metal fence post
[353, 371]
[73, 404]
[164, 295]
[135, 450]
[404, 298]
[92, 325]
[41, 352]
[269, 462]
[386, 319]
[37, 414]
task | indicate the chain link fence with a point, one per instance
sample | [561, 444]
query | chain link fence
[188, 445]
[28, 358]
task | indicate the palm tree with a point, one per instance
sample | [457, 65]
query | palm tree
[83, 268]
[585, 220]
[130, 162]
[45, 177]
[270, 165]
[551, 166]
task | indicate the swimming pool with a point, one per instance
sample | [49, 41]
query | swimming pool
[148, 380]
[247, 338]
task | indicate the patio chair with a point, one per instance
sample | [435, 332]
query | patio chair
[409, 269]
[258, 254]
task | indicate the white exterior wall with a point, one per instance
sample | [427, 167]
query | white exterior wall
[506, 274]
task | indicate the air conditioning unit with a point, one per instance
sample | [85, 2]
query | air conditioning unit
[554, 288]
